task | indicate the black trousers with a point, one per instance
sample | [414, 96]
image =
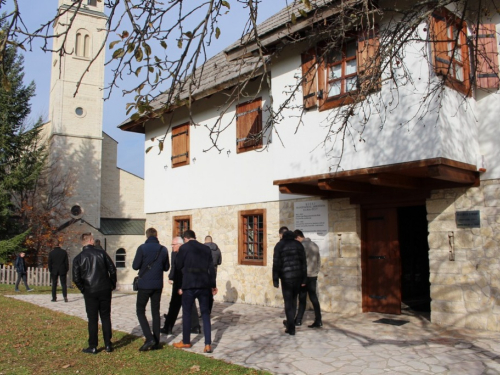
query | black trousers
[309, 288]
[98, 304]
[290, 289]
[175, 307]
[62, 278]
[188, 298]
[143, 296]
[24, 277]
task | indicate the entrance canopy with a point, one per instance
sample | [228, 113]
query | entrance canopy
[410, 180]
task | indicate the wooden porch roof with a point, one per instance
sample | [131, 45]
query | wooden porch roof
[413, 180]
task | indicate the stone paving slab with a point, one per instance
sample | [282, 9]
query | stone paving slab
[253, 336]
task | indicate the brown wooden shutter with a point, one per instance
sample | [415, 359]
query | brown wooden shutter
[369, 74]
[439, 45]
[249, 124]
[486, 57]
[180, 145]
[309, 80]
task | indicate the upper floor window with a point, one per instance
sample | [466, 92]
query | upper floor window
[92, 2]
[120, 258]
[180, 145]
[249, 125]
[252, 236]
[180, 224]
[82, 44]
[450, 50]
[333, 76]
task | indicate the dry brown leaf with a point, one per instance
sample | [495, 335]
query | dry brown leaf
[194, 368]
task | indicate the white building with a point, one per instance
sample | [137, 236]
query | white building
[407, 217]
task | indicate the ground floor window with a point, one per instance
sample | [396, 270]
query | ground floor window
[120, 258]
[180, 225]
[252, 236]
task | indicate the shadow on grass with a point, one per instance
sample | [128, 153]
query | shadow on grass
[125, 341]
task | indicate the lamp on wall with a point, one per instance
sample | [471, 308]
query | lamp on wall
[165, 167]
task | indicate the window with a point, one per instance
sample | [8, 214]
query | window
[450, 51]
[336, 76]
[180, 145]
[252, 236]
[485, 56]
[120, 258]
[180, 225]
[249, 125]
[82, 44]
[92, 2]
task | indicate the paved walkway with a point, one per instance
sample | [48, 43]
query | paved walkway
[253, 336]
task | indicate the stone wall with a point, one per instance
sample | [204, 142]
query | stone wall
[339, 282]
[465, 292]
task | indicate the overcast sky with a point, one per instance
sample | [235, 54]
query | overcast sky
[131, 145]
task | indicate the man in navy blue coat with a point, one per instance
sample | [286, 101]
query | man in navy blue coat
[151, 259]
[194, 259]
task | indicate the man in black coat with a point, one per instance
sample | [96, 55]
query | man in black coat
[94, 273]
[198, 282]
[58, 267]
[20, 266]
[151, 259]
[289, 266]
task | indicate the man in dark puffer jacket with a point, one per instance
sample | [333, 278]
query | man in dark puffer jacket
[289, 265]
[150, 285]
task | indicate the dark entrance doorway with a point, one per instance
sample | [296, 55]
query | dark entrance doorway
[395, 260]
[414, 251]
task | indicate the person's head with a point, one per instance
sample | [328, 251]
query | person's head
[282, 230]
[22, 254]
[56, 242]
[87, 239]
[97, 243]
[176, 243]
[208, 239]
[189, 235]
[151, 232]
[299, 236]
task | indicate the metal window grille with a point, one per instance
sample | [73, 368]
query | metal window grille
[253, 237]
[120, 258]
[181, 226]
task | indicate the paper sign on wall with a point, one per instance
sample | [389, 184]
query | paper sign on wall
[311, 217]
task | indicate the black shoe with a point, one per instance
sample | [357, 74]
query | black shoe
[65, 299]
[53, 300]
[147, 345]
[166, 330]
[284, 323]
[290, 332]
[316, 324]
[90, 350]
[298, 322]
[196, 329]
[109, 348]
[156, 347]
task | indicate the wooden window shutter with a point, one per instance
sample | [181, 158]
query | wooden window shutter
[486, 57]
[439, 45]
[309, 80]
[369, 74]
[249, 125]
[180, 145]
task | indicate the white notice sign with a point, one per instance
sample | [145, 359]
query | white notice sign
[311, 217]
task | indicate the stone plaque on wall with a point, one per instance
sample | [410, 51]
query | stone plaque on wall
[468, 219]
[311, 217]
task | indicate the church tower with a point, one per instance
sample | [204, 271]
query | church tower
[75, 112]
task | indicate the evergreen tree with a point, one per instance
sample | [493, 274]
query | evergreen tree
[21, 156]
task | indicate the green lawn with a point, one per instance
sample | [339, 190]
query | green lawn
[36, 340]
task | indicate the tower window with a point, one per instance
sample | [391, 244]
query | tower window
[82, 44]
[120, 258]
[92, 2]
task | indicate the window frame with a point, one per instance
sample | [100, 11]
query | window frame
[176, 229]
[241, 114]
[444, 65]
[124, 255]
[242, 249]
[183, 131]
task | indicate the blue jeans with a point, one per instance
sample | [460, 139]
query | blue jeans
[188, 297]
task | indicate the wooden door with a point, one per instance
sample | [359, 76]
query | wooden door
[381, 261]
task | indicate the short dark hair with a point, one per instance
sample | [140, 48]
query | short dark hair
[86, 236]
[282, 230]
[189, 234]
[151, 232]
[97, 243]
[208, 237]
[298, 233]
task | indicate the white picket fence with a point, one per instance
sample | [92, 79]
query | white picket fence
[36, 276]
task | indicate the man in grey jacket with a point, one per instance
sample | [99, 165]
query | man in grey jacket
[313, 266]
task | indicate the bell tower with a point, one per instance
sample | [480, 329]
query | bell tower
[76, 102]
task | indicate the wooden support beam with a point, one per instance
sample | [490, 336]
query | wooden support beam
[395, 181]
[447, 173]
[344, 186]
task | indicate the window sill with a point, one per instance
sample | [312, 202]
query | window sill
[337, 101]
[245, 149]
